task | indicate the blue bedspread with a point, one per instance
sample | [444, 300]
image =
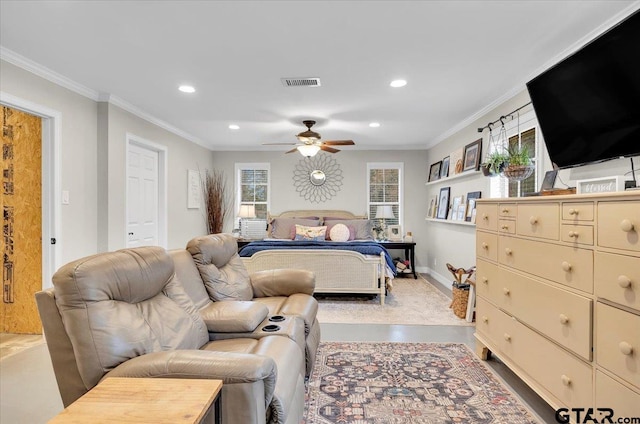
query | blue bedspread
[364, 247]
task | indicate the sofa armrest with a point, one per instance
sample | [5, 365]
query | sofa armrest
[282, 282]
[230, 367]
[233, 316]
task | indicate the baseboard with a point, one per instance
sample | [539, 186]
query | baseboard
[445, 282]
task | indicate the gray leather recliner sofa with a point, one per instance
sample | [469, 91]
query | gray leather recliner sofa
[127, 314]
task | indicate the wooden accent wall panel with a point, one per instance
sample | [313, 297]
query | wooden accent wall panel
[22, 221]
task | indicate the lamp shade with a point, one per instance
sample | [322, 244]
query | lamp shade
[308, 150]
[247, 211]
[384, 211]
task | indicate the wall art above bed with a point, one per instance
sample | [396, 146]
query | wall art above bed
[317, 178]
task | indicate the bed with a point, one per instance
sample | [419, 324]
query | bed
[337, 268]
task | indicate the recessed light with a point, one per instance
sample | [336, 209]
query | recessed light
[187, 89]
[398, 83]
[374, 124]
[234, 127]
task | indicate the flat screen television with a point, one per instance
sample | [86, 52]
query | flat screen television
[588, 105]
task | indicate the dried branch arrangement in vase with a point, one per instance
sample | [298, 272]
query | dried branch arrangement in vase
[217, 201]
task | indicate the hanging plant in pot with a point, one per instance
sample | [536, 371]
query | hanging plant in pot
[495, 164]
[519, 166]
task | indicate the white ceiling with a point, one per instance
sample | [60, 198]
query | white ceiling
[458, 57]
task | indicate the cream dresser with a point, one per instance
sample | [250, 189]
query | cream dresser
[558, 296]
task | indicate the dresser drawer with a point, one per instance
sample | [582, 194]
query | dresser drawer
[507, 226]
[487, 217]
[577, 234]
[487, 246]
[539, 220]
[566, 377]
[577, 211]
[611, 394]
[507, 210]
[619, 225]
[617, 278]
[487, 280]
[496, 326]
[562, 316]
[563, 264]
[618, 342]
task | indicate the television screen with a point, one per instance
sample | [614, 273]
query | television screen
[588, 105]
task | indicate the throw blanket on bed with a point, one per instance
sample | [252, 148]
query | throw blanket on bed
[364, 247]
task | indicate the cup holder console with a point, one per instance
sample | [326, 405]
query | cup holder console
[271, 328]
[277, 318]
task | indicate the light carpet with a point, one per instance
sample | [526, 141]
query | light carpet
[434, 383]
[410, 302]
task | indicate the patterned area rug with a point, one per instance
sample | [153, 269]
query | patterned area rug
[410, 302]
[435, 383]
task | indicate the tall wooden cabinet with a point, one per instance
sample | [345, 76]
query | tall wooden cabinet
[558, 296]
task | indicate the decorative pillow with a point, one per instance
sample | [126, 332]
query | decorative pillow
[362, 227]
[281, 227]
[310, 233]
[352, 232]
[339, 232]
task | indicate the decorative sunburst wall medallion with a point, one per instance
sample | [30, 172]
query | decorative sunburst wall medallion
[317, 178]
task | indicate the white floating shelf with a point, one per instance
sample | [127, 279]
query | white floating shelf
[462, 175]
[450, 221]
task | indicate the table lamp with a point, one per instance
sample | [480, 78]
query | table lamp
[246, 211]
[383, 212]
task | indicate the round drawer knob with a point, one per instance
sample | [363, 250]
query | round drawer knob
[626, 225]
[533, 220]
[485, 319]
[505, 210]
[485, 245]
[507, 337]
[508, 251]
[565, 380]
[573, 211]
[506, 291]
[485, 280]
[566, 266]
[505, 227]
[573, 234]
[625, 348]
[624, 281]
[564, 319]
[485, 216]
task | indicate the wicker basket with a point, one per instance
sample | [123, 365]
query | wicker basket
[518, 172]
[460, 300]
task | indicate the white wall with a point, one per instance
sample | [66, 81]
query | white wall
[353, 193]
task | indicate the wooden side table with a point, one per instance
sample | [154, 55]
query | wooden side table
[409, 251]
[145, 400]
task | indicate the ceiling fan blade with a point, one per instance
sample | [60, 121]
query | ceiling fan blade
[279, 144]
[292, 150]
[329, 149]
[339, 143]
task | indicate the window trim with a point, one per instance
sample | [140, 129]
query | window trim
[388, 165]
[241, 166]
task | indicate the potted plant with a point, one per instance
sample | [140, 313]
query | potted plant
[519, 166]
[495, 163]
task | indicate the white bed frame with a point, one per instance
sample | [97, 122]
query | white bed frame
[336, 271]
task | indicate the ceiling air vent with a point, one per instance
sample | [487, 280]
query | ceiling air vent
[300, 82]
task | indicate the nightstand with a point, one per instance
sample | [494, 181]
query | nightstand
[409, 251]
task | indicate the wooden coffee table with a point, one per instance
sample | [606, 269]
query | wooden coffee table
[145, 400]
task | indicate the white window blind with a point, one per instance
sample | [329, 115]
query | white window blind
[253, 188]
[385, 188]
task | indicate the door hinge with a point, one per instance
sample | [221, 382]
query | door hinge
[53, 240]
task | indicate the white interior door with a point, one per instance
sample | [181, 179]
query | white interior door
[142, 196]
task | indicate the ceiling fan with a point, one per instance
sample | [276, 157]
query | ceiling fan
[310, 144]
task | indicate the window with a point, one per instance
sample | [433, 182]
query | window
[385, 189]
[252, 188]
[530, 137]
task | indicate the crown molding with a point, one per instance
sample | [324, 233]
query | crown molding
[627, 11]
[46, 73]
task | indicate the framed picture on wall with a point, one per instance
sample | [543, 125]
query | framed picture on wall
[443, 203]
[444, 169]
[193, 189]
[434, 171]
[472, 196]
[472, 152]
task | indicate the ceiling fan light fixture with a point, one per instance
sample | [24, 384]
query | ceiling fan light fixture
[308, 150]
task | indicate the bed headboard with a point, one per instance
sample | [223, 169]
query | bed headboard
[336, 213]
